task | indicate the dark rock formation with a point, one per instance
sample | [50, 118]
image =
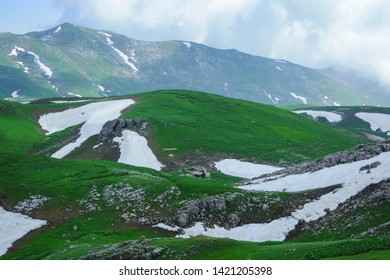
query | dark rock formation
[129, 250]
[115, 127]
[361, 152]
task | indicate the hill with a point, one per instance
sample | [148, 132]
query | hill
[195, 128]
[70, 60]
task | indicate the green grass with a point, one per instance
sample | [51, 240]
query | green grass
[196, 124]
[18, 132]
[226, 249]
[205, 124]
[80, 236]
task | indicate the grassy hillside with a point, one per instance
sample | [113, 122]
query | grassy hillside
[203, 124]
[92, 205]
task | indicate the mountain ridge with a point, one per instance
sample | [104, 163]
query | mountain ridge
[95, 63]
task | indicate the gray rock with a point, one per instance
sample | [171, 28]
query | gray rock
[115, 127]
[182, 219]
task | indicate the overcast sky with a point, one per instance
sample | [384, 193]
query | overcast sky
[314, 33]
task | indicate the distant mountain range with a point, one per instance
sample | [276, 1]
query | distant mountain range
[70, 60]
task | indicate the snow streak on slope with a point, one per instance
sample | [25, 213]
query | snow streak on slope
[125, 58]
[243, 169]
[135, 151]
[331, 117]
[93, 115]
[303, 99]
[349, 176]
[376, 121]
[58, 29]
[187, 44]
[46, 70]
[15, 94]
[14, 226]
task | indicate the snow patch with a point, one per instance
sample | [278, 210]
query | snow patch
[105, 34]
[14, 226]
[101, 88]
[376, 121]
[352, 179]
[16, 50]
[46, 70]
[15, 94]
[244, 169]
[226, 87]
[348, 175]
[74, 94]
[330, 116]
[68, 101]
[303, 99]
[187, 44]
[97, 146]
[278, 68]
[135, 151]
[58, 29]
[126, 59]
[166, 227]
[336, 104]
[93, 115]
[280, 61]
[275, 100]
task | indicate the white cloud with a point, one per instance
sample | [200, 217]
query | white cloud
[170, 17]
[314, 33]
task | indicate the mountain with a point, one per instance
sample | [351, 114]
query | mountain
[372, 89]
[70, 60]
[85, 205]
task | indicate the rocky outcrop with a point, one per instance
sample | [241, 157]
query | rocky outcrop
[198, 172]
[115, 127]
[230, 210]
[361, 152]
[354, 214]
[197, 209]
[129, 250]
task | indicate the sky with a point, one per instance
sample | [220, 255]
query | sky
[313, 33]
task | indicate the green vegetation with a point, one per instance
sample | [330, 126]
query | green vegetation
[86, 215]
[194, 122]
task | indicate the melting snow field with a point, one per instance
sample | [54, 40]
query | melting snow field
[349, 176]
[93, 115]
[243, 169]
[14, 226]
[135, 151]
[376, 121]
[331, 117]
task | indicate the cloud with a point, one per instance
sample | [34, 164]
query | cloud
[156, 19]
[314, 33]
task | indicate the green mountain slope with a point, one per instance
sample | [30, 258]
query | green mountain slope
[96, 63]
[204, 124]
[92, 206]
[199, 128]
